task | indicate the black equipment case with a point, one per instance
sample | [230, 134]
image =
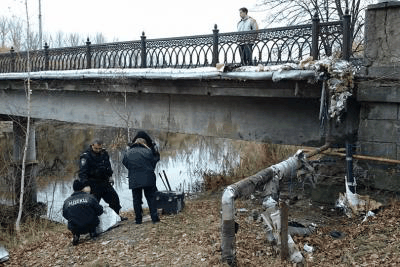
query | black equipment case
[170, 202]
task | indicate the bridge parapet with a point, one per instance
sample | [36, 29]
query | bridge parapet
[270, 46]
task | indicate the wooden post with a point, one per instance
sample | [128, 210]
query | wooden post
[284, 230]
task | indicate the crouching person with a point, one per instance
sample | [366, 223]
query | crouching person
[82, 211]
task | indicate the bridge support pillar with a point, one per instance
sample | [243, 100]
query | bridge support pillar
[379, 95]
[30, 191]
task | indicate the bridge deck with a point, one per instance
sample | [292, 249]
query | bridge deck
[279, 104]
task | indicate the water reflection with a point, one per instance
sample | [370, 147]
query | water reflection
[183, 159]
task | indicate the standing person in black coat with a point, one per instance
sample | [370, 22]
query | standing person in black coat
[82, 211]
[95, 169]
[140, 160]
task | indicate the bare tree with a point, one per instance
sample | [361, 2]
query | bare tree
[34, 41]
[99, 38]
[74, 39]
[4, 29]
[295, 12]
[12, 34]
[16, 33]
[59, 40]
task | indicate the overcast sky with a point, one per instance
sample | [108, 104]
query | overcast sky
[126, 19]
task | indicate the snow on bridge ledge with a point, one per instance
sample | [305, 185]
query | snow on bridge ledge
[305, 70]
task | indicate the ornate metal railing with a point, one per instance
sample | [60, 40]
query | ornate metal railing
[270, 46]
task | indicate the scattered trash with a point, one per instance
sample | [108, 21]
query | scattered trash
[337, 234]
[296, 228]
[369, 214]
[308, 248]
[4, 256]
[108, 220]
[242, 210]
[220, 66]
[354, 204]
[269, 203]
[255, 214]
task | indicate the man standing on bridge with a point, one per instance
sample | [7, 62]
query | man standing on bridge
[95, 169]
[246, 23]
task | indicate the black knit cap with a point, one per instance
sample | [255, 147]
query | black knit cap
[78, 185]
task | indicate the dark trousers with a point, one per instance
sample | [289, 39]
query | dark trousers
[104, 190]
[80, 230]
[246, 52]
[150, 194]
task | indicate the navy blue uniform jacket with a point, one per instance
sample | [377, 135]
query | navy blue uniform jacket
[82, 210]
[95, 166]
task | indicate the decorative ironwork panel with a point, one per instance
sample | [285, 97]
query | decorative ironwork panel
[116, 55]
[6, 62]
[18, 61]
[182, 52]
[68, 58]
[331, 38]
[269, 46]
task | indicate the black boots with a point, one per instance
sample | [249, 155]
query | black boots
[93, 235]
[75, 240]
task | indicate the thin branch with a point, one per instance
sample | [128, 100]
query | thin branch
[28, 94]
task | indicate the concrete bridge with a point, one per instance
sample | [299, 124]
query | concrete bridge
[270, 106]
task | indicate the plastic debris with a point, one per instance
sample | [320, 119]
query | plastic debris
[354, 204]
[369, 214]
[4, 256]
[108, 220]
[308, 248]
[269, 203]
[336, 234]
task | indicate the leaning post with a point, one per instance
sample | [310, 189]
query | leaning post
[315, 36]
[143, 54]
[88, 54]
[346, 36]
[215, 46]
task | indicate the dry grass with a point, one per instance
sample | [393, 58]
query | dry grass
[253, 158]
[32, 230]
